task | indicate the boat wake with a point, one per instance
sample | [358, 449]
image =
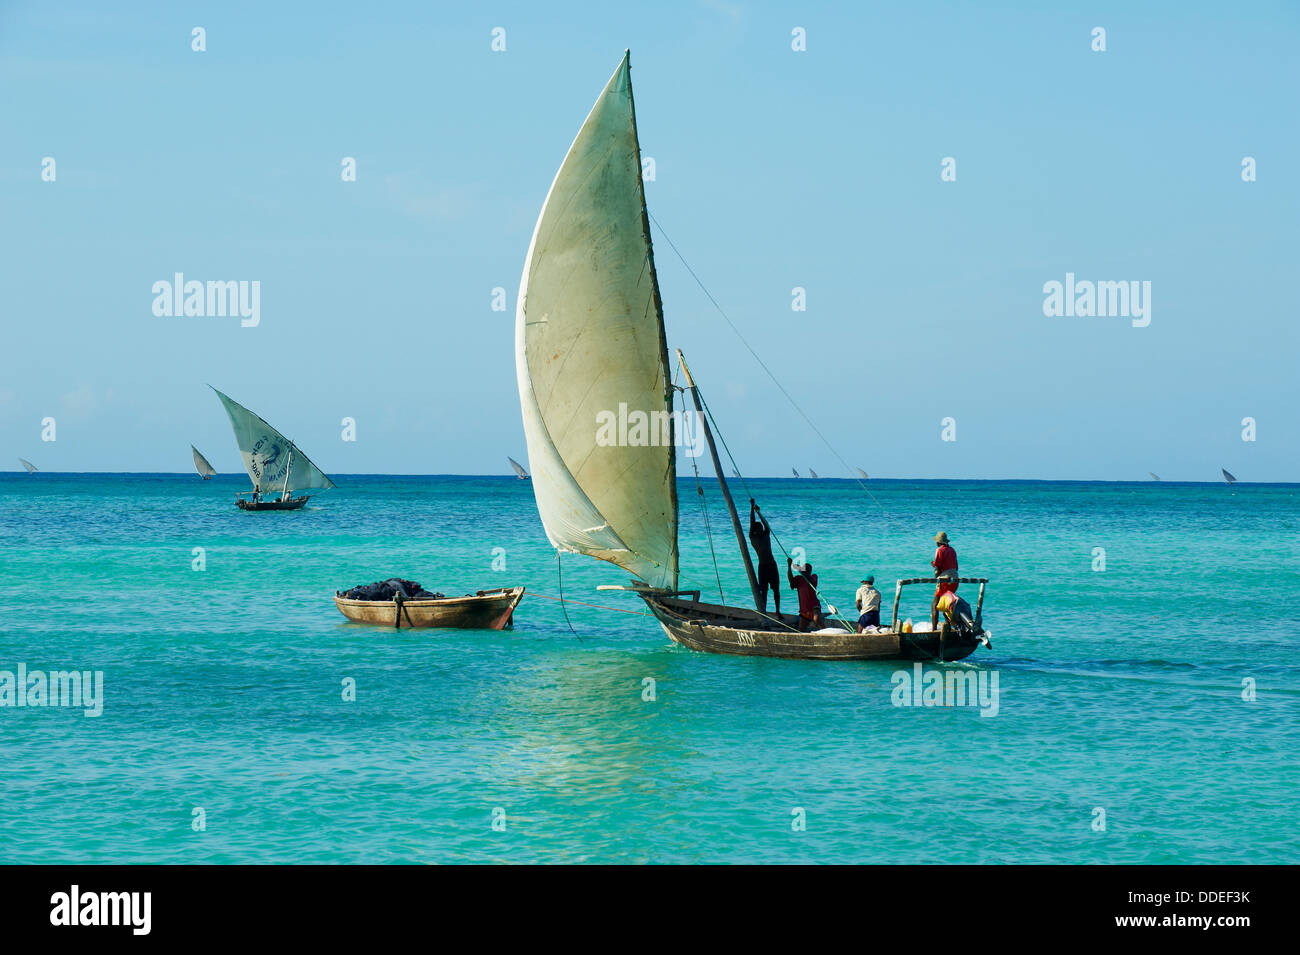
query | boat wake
[1169, 672]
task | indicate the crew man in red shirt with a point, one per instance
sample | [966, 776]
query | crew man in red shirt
[945, 565]
[810, 605]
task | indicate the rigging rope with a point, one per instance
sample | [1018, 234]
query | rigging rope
[835, 614]
[639, 613]
[794, 404]
[559, 575]
[708, 530]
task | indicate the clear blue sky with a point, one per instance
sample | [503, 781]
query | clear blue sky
[775, 169]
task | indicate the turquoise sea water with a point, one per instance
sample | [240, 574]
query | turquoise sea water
[1119, 690]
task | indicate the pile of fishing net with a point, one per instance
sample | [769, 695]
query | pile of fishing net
[388, 590]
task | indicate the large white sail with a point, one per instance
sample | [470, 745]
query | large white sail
[201, 463]
[267, 453]
[590, 349]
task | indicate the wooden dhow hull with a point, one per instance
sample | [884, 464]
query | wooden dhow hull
[290, 505]
[485, 610]
[713, 628]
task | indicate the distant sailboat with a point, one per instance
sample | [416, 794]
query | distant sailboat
[862, 474]
[735, 474]
[589, 336]
[519, 469]
[794, 472]
[272, 460]
[1154, 476]
[201, 464]
[812, 474]
[31, 468]
[1228, 477]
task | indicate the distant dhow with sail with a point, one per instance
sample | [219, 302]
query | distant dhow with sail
[1228, 477]
[31, 468]
[201, 464]
[276, 466]
[590, 339]
[518, 468]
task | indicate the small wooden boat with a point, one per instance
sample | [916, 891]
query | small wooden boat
[484, 610]
[291, 504]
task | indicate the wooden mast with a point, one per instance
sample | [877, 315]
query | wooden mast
[284, 495]
[722, 482]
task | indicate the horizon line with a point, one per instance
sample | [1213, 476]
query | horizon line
[755, 477]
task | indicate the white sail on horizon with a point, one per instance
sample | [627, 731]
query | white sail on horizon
[519, 468]
[201, 464]
[31, 468]
[268, 454]
[590, 341]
